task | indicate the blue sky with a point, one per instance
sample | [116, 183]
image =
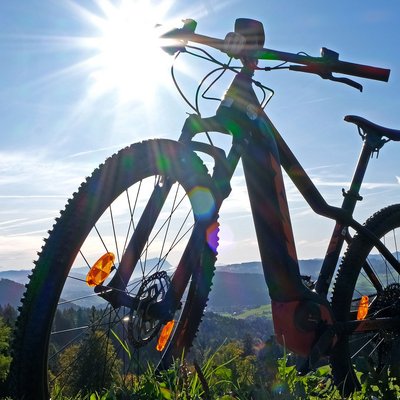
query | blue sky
[66, 104]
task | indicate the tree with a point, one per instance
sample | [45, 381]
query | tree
[9, 314]
[248, 345]
[89, 366]
[63, 324]
[5, 358]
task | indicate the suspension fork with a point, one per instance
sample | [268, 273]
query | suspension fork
[141, 234]
[115, 291]
[223, 171]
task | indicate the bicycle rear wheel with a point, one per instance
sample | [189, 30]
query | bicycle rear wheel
[74, 338]
[365, 274]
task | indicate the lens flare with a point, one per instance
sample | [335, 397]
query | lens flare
[212, 236]
[203, 202]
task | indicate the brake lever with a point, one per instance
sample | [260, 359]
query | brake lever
[330, 55]
[321, 71]
[346, 81]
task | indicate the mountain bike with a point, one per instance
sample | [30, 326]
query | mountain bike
[138, 242]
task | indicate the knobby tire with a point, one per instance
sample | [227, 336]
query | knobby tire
[39, 355]
[376, 352]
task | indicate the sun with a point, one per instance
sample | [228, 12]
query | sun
[128, 60]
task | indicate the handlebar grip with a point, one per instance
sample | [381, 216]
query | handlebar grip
[363, 71]
[327, 65]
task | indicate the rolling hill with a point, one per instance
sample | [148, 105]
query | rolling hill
[236, 287]
[10, 292]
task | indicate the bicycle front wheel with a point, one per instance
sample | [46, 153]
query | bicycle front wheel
[142, 232]
[368, 287]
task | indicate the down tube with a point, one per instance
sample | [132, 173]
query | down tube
[299, 314]
[269, 206]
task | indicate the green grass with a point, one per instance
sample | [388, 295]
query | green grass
[262, 311]
[227, 375]
[216, 381]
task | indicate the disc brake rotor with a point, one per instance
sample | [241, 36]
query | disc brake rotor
[142, 327]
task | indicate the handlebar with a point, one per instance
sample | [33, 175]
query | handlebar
[235, 46]
[328, 62]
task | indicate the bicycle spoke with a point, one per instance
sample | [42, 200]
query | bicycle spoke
[114, 234]
[364, 345]
[369, 273]
[167, 237]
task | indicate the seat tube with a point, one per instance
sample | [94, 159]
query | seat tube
[340, 232]
[271, 216]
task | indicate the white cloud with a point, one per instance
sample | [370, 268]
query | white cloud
[320, 181]
[107, 149]
[22, 222]
[26, 174]
[19, 252]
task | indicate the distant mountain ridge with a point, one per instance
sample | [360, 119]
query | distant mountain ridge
[21, 276]
[235, 286]
[229, 292]
[11, 293]
[307, 267]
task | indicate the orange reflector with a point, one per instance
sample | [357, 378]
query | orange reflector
[363, 308]
[100, 270]
[165, 335]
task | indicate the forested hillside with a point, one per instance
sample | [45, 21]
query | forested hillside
[10, 292]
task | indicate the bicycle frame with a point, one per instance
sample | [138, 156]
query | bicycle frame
[299, 314]
[303, 319]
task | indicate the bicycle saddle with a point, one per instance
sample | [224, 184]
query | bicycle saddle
[370, 127]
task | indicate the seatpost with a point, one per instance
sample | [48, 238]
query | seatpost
[340, 231]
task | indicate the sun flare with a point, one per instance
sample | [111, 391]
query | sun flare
[128, 59]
